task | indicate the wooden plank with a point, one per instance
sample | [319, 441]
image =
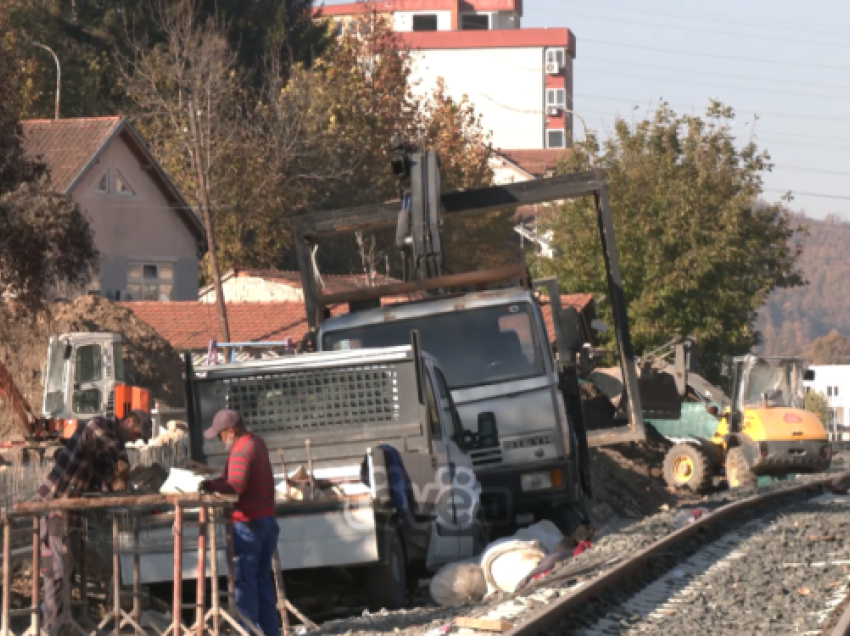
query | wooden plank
[480, 277]
[484, 624]
[480, 200]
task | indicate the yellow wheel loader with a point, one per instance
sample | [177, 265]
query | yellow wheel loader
[763, 429]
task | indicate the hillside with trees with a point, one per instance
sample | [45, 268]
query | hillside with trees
[814, 319]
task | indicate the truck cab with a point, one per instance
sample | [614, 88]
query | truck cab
[499, 367]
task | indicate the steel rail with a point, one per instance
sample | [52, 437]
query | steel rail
[548, 617]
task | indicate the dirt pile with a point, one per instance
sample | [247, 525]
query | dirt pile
[149, 361]
[627, 479]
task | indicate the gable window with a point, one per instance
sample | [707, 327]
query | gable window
[556, 97]
[121, 185]
[554, 138]
[425, 22]
[103, 183]
[472, 22]
[556, 56]
[150, 281]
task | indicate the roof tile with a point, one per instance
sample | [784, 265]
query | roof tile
[67, 145]
[536, 162]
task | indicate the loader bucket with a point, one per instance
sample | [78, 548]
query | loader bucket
[659, 395]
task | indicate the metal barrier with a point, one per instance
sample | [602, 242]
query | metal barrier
[212, 510]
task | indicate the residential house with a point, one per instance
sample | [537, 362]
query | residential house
[148, 236]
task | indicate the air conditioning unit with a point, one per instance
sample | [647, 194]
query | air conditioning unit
[553, 68]
[554, 111]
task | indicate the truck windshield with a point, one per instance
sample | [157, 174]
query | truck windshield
[779, 384]
[474, 347]
[54, 391]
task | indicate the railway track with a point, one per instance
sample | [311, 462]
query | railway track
[772, 563]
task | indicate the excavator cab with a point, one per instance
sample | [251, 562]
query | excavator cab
[84, 378]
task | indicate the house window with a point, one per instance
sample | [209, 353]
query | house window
[472, 22]
[554, 138]
[557, 56]
[556, 97]
[103, 183]
[425, 22]
[121, 185]
[150, 281]
[829, 391]
[337, 28]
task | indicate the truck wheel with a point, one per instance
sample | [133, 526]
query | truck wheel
[738, 473]
[386, 584]
[687, 466]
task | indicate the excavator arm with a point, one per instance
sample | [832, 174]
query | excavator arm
[26, 420]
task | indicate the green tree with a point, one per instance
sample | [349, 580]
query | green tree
[816, 402]
[45, 241]
[698, 256]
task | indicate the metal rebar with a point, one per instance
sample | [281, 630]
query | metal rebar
[231, 587]
[66, 570]
[177, 599]
[201, 579]
[281, 592]
[116, 576]
[7, 572]
[310, 469]
[215, 601]
[84, 568]
[36, 571]
[137, 574]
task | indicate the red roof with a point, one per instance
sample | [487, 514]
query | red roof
[536, 162]
[191, 325]
[67, 145]
[491, 39]
[355, 8]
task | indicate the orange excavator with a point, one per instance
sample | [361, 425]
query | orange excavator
[83, 378]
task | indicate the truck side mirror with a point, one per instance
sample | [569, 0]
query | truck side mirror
[488, 432]
[809, 375]
[571, 328]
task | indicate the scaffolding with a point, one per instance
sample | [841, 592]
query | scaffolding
[123, 512]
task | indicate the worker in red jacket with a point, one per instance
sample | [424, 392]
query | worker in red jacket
[248, 473]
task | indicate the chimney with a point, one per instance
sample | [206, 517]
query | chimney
[455, 9]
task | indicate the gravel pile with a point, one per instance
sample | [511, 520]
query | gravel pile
[615, 541]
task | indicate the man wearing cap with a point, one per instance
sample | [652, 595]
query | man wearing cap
[93, 459]
[249, 474]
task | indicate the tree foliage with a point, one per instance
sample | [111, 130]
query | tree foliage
[45, 241]
[833, 348]
[698, 256]
[816, 402]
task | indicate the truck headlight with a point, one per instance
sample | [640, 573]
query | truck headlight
[540, 481]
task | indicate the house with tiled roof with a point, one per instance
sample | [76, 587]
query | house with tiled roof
[274, 285]
[148, 236]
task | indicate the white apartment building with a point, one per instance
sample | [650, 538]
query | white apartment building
[833, 381]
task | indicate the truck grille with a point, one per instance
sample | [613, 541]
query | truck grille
[316, 399]
[486, 456]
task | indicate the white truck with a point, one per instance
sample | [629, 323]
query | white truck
[362, 412]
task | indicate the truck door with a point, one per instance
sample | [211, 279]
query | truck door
[86, 394]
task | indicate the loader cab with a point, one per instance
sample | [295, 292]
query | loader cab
[80, 376]
[760, 382]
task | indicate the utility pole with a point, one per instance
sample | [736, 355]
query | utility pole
[58, 72]
[208, 226]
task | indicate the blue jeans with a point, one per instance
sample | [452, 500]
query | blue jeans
[253, 545]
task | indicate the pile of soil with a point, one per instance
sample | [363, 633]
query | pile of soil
[149, 361]
[628, 482]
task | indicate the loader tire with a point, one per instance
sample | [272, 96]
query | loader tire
[688, 466]
[738, 473]
[386, 584]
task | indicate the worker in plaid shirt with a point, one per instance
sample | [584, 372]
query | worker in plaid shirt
[94, 459]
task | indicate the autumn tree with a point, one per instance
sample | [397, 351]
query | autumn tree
[45, 241]
[698, 257]
[816, 402]
[833, 348]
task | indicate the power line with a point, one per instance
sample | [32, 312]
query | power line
[818, 195]
[742, 88]
[710, 31]
[716, 56]
[726, 75]
[818, 170]
[759, 112]
[703, 18]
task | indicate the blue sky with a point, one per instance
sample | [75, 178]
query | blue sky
[786, 62]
